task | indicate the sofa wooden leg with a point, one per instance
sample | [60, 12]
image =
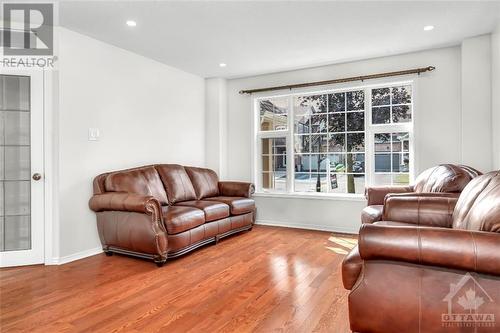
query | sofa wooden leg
[106, 250]
[160, 261]
[217, 238]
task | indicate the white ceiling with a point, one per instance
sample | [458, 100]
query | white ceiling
[255, 37]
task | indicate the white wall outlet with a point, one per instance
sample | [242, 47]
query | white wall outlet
[94, 134]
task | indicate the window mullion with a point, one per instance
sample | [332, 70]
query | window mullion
[290, 165]
[272, 134]
[412, 156]
[391, 159]
[406, 127]
[369, 147]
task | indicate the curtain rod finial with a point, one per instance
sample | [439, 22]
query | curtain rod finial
[431, 68]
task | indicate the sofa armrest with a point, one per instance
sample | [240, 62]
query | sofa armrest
[236, 189]
[467, 250]
[376, 194]
[351, 268]
[432, 210]
[127, 202]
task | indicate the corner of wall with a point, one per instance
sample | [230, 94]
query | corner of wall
[51, 94]
[476, 102]
[216, 125]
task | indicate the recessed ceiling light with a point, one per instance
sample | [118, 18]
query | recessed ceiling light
[222, 64]
[131, 23]
[428, 28]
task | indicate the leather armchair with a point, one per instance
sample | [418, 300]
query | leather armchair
[414, 268]
[445, 178]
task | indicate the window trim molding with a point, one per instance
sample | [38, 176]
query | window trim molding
[312, 196]
[369, 131]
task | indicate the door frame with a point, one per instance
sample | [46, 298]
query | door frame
[36, 255]
[50, 89]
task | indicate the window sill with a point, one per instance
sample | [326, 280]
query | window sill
[313, 196]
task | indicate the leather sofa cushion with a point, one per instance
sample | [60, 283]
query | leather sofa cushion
[372, 213]
[213, 210]
[177, 182]
[239, 205]
[144, 181]
[205, 182]
[180, 218]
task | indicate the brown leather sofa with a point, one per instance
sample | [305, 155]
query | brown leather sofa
[165, 210]
[434, 261]
[444, 178]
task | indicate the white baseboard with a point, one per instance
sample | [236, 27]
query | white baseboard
[75, 256]
[307, 226]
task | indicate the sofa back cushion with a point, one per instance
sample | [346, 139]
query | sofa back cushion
[143, 181]
[445, 178]
[205, 182]
[478, 207]
[177, 182]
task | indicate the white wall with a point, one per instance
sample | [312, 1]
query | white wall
[495, 95]
[147, 112]
[476, 102]
[437, 130]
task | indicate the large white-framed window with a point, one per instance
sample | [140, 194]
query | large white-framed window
[334, 142]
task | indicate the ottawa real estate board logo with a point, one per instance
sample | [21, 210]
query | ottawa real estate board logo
[27, 34]
[469, 305]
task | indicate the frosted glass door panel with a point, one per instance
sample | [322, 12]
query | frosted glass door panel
[15, 168]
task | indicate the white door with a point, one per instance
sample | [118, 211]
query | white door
[21, 168]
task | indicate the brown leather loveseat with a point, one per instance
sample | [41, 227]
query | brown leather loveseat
[165, 210]
[442, 180]
[434, 269]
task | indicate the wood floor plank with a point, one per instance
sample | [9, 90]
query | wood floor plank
[268, 279]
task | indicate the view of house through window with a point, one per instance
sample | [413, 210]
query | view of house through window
[340, 141]
[392, 158]
[274, 164]
[273, 114]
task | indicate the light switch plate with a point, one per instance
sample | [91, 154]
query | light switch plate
[94, 134]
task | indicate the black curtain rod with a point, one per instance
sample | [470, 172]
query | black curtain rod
[347, 79]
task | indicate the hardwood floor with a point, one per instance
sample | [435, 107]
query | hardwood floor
[268, 279]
